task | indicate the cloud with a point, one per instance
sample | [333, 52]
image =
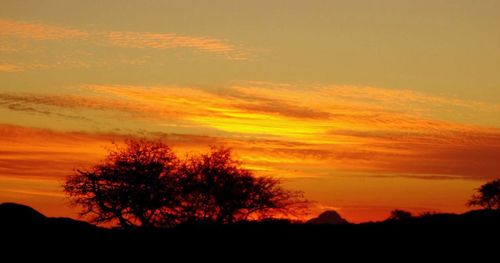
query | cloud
[160, 41]
[35, 162]
[298, 132]
[38, 31]
[46, 154]
[22, 67]
[63, 101]
[10, 68]
[172, 40]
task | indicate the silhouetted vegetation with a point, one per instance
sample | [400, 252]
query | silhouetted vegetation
[135, 185]
[215, 188]
[487, 196]
[25, 228]
[398, 214]
[144, 184]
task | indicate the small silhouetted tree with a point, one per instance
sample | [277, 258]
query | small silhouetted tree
[487, 196]
[398, 214]
[135, 185]
[219, 190]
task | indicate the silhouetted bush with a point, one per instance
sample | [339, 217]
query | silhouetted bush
[398, 214]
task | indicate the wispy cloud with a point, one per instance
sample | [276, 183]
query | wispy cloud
[35, 162]
[304, 132]
[37, 157]
[10, 68]
[37, 31]
[172, 40]
[17, 100]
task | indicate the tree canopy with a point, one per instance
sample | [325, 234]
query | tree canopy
[487, 196]
[144, 184]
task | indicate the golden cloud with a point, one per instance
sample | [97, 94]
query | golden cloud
[160, 41]
[38, 31]
[310, 132]
[10, 68]
[172, 40]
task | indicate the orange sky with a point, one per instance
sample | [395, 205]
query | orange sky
[360, 150]
[365, 107]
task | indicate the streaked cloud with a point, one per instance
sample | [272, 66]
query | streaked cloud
[41, 153]
[10, 68]
[38, 31]
[35, 162]
[172, 40]
[301, 132]
[16, 100]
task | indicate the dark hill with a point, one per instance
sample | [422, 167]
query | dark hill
[25, 224]
[11, 213]
[328, 217]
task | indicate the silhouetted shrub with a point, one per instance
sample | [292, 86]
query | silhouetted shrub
[398, 214]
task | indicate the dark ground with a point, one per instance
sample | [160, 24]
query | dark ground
[473, 233]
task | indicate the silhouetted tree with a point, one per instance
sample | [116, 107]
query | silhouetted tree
[398, 214]
[487, 196]
[143, 184]
[219, 190]
[136, 185]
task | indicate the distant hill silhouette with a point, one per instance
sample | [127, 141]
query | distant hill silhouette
[17, 215]
[11, 213]
[328, 217]
[24, 224]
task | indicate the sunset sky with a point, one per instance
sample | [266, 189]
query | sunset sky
[366, 106]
